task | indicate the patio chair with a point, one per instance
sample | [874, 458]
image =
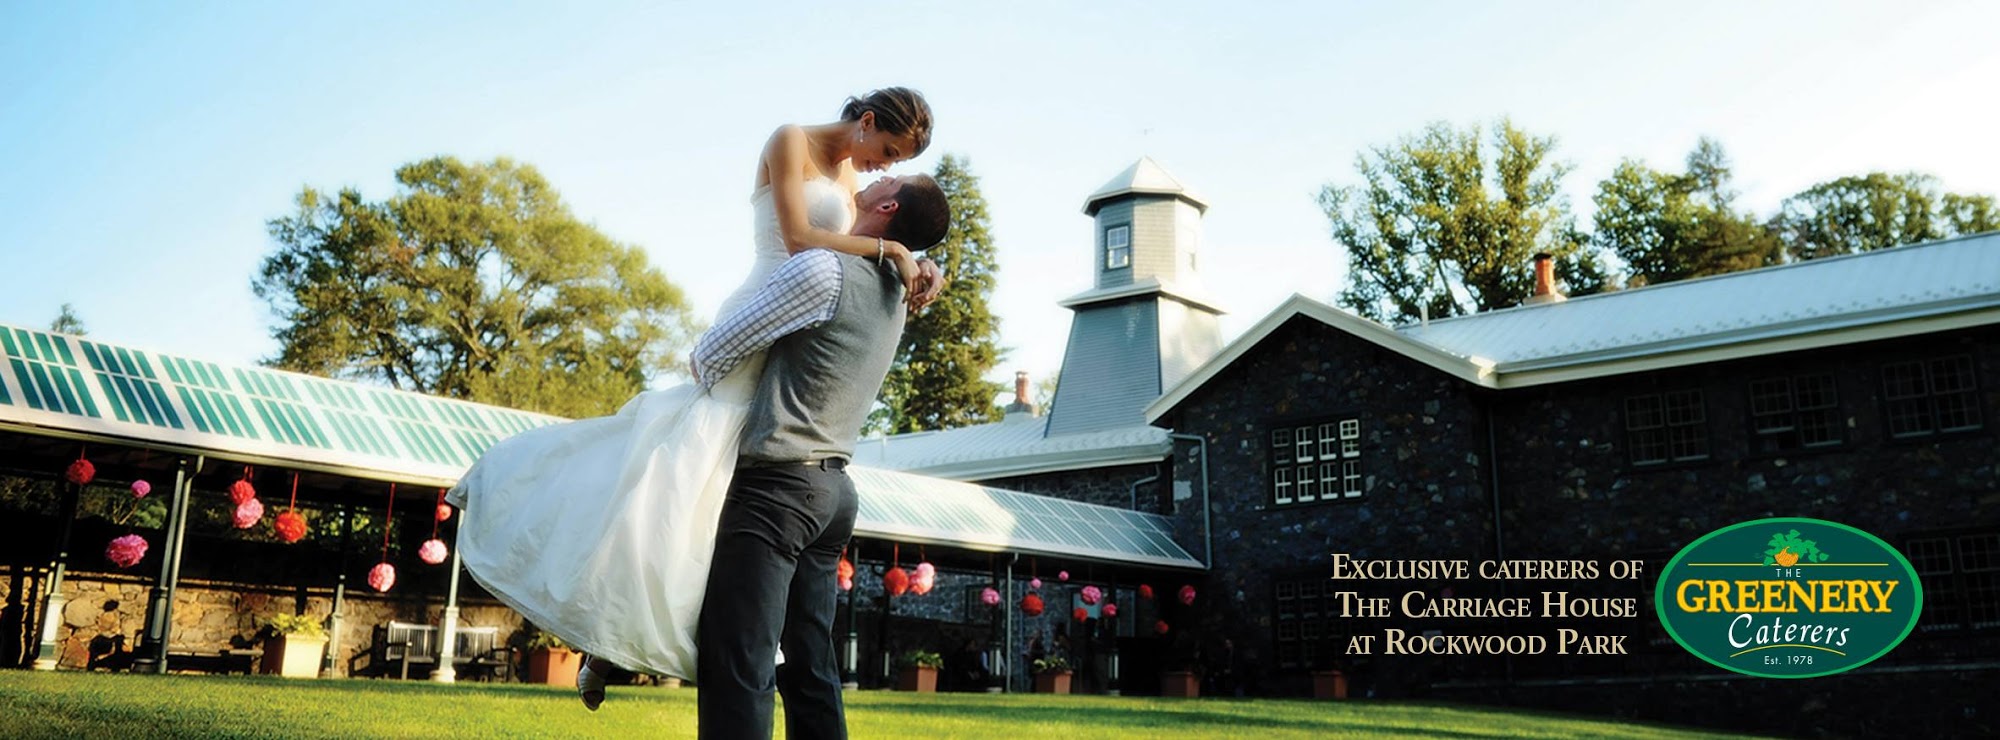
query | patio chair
[398, 645]
[478, 650]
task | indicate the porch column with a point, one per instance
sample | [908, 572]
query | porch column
[851, 662]
[448, 649]
[333, 619]
[49, 652]
[151, 657]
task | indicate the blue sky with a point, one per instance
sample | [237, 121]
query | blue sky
[144, 145]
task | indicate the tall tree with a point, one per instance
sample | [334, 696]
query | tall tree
[1877, 211]
[67, 322]
[1668, 226]
[1436, 228]
[474, 281]
[938, 379]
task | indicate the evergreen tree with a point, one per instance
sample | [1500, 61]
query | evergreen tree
[67, 322]
[474, 282]
[938, 379]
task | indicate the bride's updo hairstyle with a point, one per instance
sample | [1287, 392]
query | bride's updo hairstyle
[898, 110]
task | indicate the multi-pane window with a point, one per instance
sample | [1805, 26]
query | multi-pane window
[1794, 413]
[1309, 629]
[1317, 461]
[1117, 247]
[1961, 577]
[1925, 397]
[1666, 427]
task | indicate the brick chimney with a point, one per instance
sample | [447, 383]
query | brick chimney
[1021, 403]
[1545, 282]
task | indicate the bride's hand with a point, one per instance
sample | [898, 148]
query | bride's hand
[906, 265]
[932, 280]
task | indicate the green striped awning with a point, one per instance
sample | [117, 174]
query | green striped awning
[915, 508]
[85, 386]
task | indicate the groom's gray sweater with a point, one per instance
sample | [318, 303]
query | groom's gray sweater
[819, 382]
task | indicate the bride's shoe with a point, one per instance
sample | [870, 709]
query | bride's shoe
[590, 685]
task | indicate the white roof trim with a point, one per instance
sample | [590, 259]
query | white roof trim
[1056, 462]
[1471, 370]
[1143, 287]
[1852, 329]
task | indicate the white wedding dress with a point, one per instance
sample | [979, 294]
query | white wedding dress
[600, 530]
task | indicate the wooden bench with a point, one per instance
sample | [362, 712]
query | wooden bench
[478, 651]
[397, 646]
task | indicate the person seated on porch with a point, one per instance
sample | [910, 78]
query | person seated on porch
[967, 669]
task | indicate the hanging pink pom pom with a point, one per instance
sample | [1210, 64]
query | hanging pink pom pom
[1035, 583]
[432, 551]
[896, 581]
[1110, 610]
[126, 551]
[290, 526]
[241, 491]
[924, 579]
[381, 577]
[847, 584]
[141, 488]
[1091, 594]
[1062, 575]
[81, 472]
[248, 513]
[443, 512]
[990, 597]
[1187, 595]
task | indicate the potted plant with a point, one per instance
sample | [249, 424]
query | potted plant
[1329, 684]
[1184, 681]
[297, 648]
[920, 669]
[550, 661]
[1052, 675]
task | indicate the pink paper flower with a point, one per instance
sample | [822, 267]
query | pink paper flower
[924, 579]
[381, 577]
[81, 472]
[248, 513]
[990, 597]
[1187, 595]
[1035, 583]
[242, 491]
[141, 488]
[1091, 594]
[1110, 610]
[1062, 575]
[126, 551]
[291, 526]
[847, 584]
[432, 551]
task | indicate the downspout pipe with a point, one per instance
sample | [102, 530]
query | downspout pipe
[1207, 534]
[1140, 482]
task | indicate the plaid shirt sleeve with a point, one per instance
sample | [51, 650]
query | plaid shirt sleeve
[801, 294]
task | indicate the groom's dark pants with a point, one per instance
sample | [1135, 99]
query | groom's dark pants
[772, 581]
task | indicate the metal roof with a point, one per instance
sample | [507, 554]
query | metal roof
[911, 508]
[254, 414]
[1013, 446]
[80, 387]
[1833, 301]
[1144, 177]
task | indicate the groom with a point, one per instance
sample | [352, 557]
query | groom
[831, 323]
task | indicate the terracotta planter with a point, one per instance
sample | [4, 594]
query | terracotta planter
[1329, 685]
[1052, 682]
[1184, 684]
[554, 667]
[917, 678]
[293, 656]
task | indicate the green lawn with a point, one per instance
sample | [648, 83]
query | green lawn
[92, 705]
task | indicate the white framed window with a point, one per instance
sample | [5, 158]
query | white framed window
[1794, 413]
[1117, 247]
[1666, 427]
[1319, 461]
[1926, 397]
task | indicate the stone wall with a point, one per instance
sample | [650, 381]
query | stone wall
[209, 616]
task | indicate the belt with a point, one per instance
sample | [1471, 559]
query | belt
[831, 464]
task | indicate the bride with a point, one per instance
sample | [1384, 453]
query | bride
[600, 530]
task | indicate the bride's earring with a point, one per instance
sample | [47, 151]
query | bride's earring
[857, 137]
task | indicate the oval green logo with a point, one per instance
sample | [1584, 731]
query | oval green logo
[1789, 597]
